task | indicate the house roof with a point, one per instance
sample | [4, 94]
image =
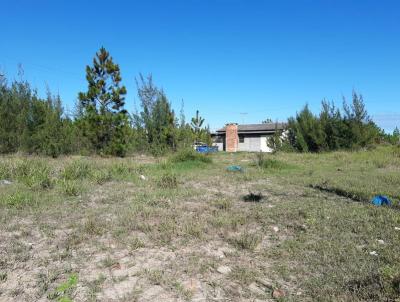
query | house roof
[257, 128]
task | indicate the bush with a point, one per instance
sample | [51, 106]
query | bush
[190, 155]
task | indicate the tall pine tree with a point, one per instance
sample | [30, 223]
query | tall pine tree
[103, 120]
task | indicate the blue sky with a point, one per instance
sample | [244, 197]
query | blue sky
[223, 57]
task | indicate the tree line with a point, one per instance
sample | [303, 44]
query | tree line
[349, 127]
[100, 124]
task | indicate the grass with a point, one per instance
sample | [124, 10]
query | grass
[315, 236]
[246, 241]
[189, 155]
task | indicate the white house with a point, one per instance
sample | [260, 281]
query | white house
[251, 137]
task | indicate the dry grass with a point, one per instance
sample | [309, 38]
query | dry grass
[91, 229]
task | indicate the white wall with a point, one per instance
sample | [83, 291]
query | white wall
[264, 144]
[250, 144]
[220, 146]
[254, 144]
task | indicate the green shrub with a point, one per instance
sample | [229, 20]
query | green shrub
[190, 155]
[77, 170]
[64, 291]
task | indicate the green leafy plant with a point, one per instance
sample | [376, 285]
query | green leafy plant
[64, 292]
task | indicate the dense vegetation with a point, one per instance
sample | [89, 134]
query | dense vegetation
[333, 129]
[100, 125]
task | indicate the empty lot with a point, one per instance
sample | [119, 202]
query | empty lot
[183, 228]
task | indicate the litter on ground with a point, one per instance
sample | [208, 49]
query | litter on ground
[234, 168]
[381, 200]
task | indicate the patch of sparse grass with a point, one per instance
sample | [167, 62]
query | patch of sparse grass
[45, 279]
[156, 277]
[108, 262]
[246, 241]
[227, 220]
[135, 243]
[93, 226]
[71, 187]
[182, 291]
[190, 155]
[34, 173]
[101, 176]
[243, 275]
[168, 181]
[223, 204]
[3, 276]
[77, 170]
[193, 229]
[19, 199]
[95, 287]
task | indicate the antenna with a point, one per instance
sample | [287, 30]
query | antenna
[243, 114]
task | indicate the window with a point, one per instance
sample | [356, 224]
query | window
[241, 138]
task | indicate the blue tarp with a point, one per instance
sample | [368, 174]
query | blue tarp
[235, 168]
[380, 200]
[206, 149]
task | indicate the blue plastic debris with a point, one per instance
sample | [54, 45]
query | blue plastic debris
[234, 168]
[206, 149]
[380, 200]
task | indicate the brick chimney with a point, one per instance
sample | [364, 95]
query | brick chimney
[232, 138]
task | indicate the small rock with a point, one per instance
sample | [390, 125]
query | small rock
[142, 177]
[192, 285]
[276, 229]
[396, 228]
[5, 182]
[373, 253]
[255, 289]
[380, 241]
[264, 282]
[224, 269]
[278, 293]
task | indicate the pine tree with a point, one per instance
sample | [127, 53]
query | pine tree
[197, 123]
[104, 119]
